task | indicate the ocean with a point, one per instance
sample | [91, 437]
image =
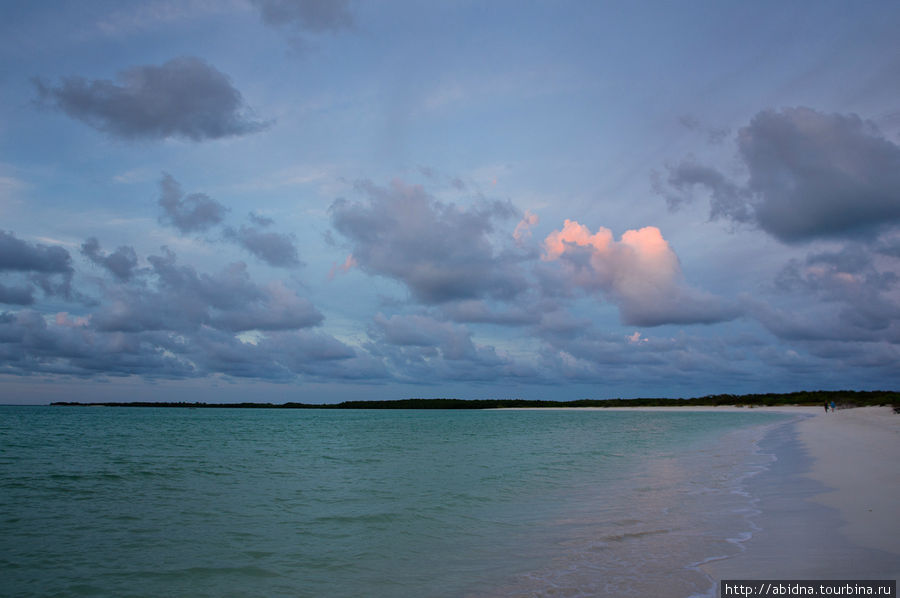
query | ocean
[131, 502]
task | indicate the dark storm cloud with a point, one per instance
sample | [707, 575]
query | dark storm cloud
[276, 249]
[594, 356]
[889, 247]
[424, 331]
[420, 348]
[192, 213]
[559, 323]
[811, 175]
[306, 15]
[852, 267]
[183, 299]
[281, 355]
[20, 256]
[32, 266]
[853, 291]
[29, 344]
[820, 175]
[441, 252]
[72, 346]
[16, 295]
[121, 263]
[169, 320]
[727, 200]
[199, 212]
[185, 97]
[833, 323]
[479, 312]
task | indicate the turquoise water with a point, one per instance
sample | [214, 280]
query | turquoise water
[246, 502]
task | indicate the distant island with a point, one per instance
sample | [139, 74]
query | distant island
[841, 398]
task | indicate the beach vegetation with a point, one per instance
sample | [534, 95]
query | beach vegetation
[842, 398]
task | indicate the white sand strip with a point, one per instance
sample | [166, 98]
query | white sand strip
[815, 500]
[684, 409]
[856, 452]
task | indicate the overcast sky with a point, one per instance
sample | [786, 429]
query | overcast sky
[322, 200]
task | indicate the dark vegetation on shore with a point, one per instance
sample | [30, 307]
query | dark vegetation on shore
[842, 399]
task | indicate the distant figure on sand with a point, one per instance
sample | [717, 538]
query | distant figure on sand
[826, 406]
[832, 406]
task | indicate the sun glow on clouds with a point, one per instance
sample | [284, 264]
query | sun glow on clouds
[523, 229]
[640, 273]
[636, 338]
[641, 262]
[63, 319]
[348, 264]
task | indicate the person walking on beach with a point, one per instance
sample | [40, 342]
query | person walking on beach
[826, 406]
[832, 406]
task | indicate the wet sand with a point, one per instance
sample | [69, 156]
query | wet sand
[829, 504]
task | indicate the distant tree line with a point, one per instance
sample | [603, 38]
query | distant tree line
[841, 398]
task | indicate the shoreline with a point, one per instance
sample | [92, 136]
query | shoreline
[827, 504]
[680, 409]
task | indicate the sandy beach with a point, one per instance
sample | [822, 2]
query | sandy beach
[828, 505]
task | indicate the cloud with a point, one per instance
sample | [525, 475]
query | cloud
[420, 348]
[593, 356]
[178, 298]
[17, 255]
[640, 273]
[276, 249]
[307, 15]
[559, 323]
[810, 175]
[478, 311]
[441, 252]
[183, 98]
[523, 229]
[852, 291]
[170, 321]
[348, 265]
[21, 295]
[121, 263]
[193, 213]
[727, 199]
[33, 265]
[714, 135]
[423, 331]
[258, 220]
[811, 326]
[29, 344]
[276, 308]
[199, 212]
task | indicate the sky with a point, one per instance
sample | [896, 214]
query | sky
[329, 200]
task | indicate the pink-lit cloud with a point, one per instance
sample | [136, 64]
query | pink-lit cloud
[348, 264]
[63, 319]
[523, 229]
[636, 338]
[640, 273]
